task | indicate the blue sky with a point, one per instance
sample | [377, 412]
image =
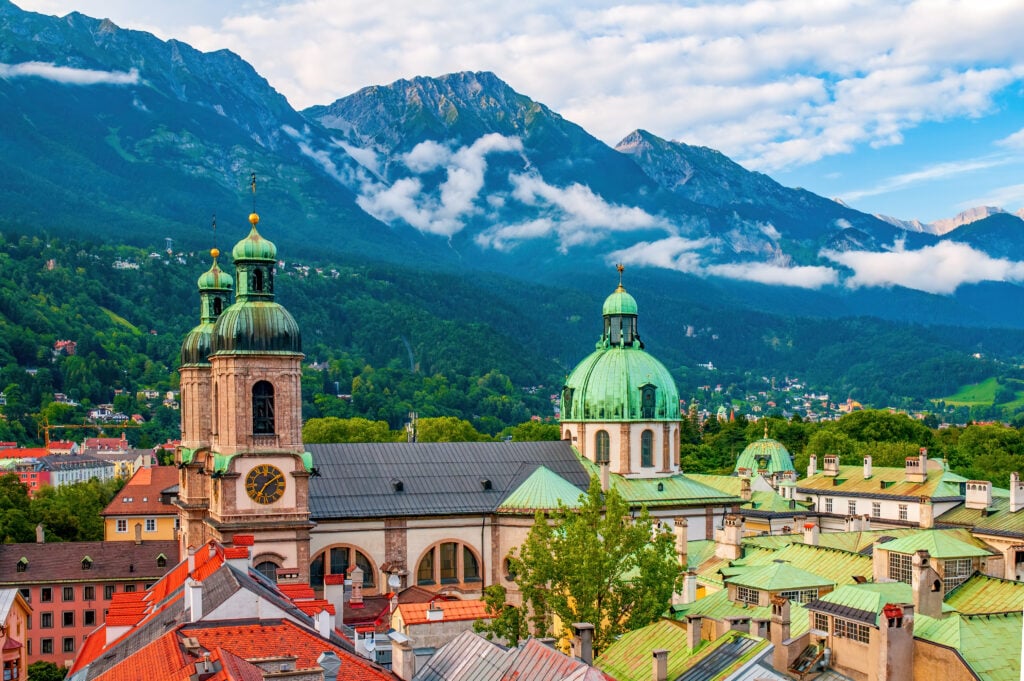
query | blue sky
[910, 109]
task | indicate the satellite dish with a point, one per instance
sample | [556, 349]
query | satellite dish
[394, 581]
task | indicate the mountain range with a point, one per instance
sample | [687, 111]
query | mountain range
[118, 135]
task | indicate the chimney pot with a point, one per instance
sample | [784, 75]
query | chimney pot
[583, 642]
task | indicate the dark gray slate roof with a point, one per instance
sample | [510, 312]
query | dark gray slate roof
[437, 478]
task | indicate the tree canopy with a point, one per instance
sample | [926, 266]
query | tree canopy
[595, 564]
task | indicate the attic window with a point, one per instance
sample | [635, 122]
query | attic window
[161, 560]
[397, 485]
[647, 401]
[86, 563]
[22, 564]
[485, 483]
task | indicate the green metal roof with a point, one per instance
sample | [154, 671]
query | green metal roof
[765, 454]
[256, 326]
[989, 644]
[939, 484]
[629, 658]
[197, 346]
[619, 302]
[996, 519]
[870, 597]
[698, 551]
[215, 279]
[779, 576]
[938, 543]
[544, 490]
[606, 386]
[833, 564]
[982, 594]
[254, 246]
[675, 490]
[717, 606]
[761, 502]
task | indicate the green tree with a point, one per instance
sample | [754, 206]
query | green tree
[46, 671]
[447, 429]
[507, 622]
[333, 429]
[533, 431]
[595, 564]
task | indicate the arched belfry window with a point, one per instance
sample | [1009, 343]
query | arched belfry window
[263, 407]
[257, 280]
[647, 448]
[603, 446]
[217, 306]
[647, 401]
[566, 406]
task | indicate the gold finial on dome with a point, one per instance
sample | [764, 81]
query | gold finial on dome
[254, 219]
[620, 267]
[214, 252]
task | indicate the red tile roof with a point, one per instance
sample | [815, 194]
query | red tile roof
[454, 611]
[141, 495]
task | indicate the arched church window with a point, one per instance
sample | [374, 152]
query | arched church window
[268, 569]
[263, 407]
[647, 448]
[343, 557]
[448, 563]
[647, 401]
[603, 448]
[257, 280]
[217, 306]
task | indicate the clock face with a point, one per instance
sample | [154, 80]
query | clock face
[265, 484]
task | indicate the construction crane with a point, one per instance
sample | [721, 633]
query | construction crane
[45, 428]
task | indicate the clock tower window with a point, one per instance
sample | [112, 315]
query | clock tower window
[263, 408]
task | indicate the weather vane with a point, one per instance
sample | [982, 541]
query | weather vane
[253, 184]
[620, 267]
[214, 225]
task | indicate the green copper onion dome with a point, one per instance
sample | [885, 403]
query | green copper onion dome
[214, 296]
[767, 455]
[620, 381]
[214, 279]
[254, 246]
[255, 323]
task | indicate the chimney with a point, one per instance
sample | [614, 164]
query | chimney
[40, 534]
[329, 662]
[660, 664]
[867, 467]
[605, 484]
[896, 639]
[866, 523]
[811, 534]
[831, 465]
[192, 558]
[679, 528]
[435, 613]
[926, 585]
[727, 540]
[1016, 492]
[583, 642]
[780, 632]
[917, 467]
[356, 601]
[138, 533]
[745, 489]
[689, 591]
[693, 635]
[926, 513]
[194, 599]
[979, 494]
[237, 557]
[322, 622]
[812, 466]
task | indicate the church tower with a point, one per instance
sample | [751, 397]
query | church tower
[620, 405]
[253, 476]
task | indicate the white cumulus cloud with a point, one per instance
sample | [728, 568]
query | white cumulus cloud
[68, 75]
[940, 269]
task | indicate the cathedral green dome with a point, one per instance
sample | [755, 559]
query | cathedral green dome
[619, 302]
[257, 326]
[620, 384]
[215, 279]
[195, 349]
[620, 381]
[765, 455]
[254, 246]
